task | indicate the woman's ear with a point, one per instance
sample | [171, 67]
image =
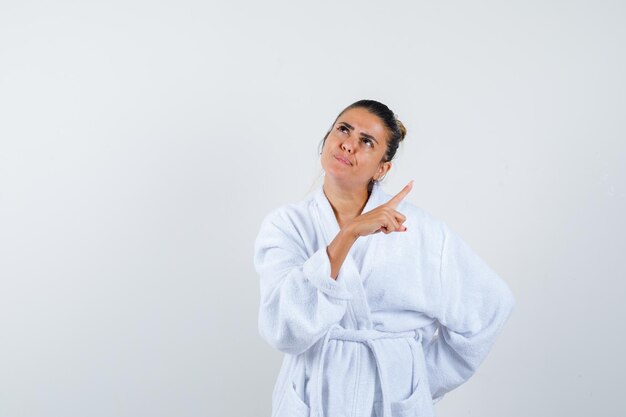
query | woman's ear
[383, 169]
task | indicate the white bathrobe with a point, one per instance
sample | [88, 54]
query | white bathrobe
[410, 316]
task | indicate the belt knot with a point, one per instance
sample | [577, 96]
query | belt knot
[365, 336]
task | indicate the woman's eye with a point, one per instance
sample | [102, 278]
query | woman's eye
[367, 141]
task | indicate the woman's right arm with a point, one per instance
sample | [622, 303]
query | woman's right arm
[339, 248]
[302, 296]
[300, 300]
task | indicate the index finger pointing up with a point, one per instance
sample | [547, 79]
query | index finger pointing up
[396, 199]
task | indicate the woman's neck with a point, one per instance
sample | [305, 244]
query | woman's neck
[347, 203]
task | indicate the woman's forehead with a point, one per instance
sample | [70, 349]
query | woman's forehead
[364, 121]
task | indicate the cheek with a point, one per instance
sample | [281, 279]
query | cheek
[331, 144]
[332, 138]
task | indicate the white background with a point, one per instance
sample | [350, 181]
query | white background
[141, 144]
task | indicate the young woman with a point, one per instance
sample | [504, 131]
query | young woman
[371, 324]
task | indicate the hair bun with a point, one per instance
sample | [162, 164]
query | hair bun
[401, 128]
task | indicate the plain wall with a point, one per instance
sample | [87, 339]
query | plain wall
[142, 143]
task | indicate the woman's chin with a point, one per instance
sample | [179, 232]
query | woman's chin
[341, 178]
[337, 174]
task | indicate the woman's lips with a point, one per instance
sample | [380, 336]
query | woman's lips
[345, 161]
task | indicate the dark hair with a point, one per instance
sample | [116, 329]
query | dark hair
[392, 123]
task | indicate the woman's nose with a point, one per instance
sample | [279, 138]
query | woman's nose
[347, 146]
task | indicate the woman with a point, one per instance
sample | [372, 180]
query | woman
[371, 324]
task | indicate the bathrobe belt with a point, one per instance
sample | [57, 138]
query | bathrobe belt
[365, 336]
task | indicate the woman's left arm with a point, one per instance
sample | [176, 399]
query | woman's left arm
[474, 304]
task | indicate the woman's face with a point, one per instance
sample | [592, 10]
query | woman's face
[354, 148]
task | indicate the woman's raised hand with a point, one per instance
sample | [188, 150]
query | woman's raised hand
[383, 218]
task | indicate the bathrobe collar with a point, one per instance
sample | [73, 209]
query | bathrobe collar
[327, 216]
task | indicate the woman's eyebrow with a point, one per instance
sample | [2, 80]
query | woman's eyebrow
[367, 135]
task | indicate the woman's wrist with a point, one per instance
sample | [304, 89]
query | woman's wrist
[349, 233]
[339, 248]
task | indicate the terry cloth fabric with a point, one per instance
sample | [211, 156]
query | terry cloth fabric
[409, 318]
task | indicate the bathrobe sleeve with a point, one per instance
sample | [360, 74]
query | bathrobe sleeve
[474, 305]
[299, 299]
